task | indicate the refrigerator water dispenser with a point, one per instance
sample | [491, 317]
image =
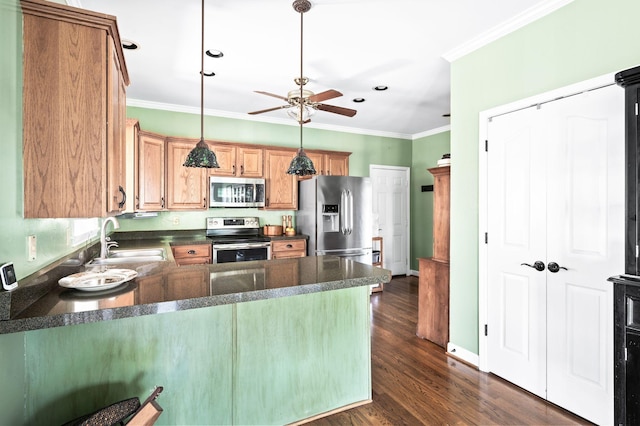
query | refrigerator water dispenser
[330, 218]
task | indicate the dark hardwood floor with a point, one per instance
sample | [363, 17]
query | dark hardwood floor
[414, 382]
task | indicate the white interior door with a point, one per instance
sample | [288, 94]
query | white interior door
[556, 195]
[585, 229]
[517, 293]
[390, 187]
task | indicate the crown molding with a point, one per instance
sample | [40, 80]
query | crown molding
[246, 117]
[525, 18]
[432, 132]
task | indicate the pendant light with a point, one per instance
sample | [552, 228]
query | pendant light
[301, 165]
[201, 155]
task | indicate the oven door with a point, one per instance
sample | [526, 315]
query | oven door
[224, 253]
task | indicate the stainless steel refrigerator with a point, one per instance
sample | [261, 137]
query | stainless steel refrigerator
[336, 213]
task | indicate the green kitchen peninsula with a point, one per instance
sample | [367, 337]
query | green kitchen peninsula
[262, 342]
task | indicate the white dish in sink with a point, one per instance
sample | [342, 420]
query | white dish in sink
[97, 280]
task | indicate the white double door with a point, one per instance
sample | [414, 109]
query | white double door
[555, 234]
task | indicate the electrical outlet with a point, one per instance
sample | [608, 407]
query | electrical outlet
[31, 247]
[176, 221]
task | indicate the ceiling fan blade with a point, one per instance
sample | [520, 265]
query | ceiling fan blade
[269, 109]
[326, 95]
[336, 109]
[273, 95]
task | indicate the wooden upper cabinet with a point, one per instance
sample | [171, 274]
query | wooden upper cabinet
[186, 186]
[441, 202]
[328, 163]
[336, 164]
[74, 78]
[281, 188]
[237, 161]
[150, 195]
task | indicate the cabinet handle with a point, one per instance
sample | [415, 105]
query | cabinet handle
[124, 197]
[162, 200]
[266, 203]
[191, 252]
[204, 202]
[137, 202]
[289, 246]
[233, 169]
[242, 169]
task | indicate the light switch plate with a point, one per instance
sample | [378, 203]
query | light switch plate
[31, 247]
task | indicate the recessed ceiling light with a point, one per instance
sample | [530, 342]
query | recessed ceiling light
[380, 88]
[130, 45]
[209, 73]
[358, 100]
[213, 53]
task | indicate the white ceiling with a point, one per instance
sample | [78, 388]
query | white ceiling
[349, 45]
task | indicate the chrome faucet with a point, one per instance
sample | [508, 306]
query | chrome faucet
[105, 242]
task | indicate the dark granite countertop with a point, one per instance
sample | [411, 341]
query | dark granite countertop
[40, 302]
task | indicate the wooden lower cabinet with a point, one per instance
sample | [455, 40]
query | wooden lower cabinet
[187, 283]
[433, 301]
[193, 254]
[287, 249]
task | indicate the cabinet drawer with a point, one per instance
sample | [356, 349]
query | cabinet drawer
[192, 254]
[288, 246]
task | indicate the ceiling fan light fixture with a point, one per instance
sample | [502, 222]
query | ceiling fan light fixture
[295, 113]
[201, 156]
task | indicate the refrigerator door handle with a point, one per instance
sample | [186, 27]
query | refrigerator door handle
[350, 201]
[343, 212]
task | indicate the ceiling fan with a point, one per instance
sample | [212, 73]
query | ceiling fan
[303, 103]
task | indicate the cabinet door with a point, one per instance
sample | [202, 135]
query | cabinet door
[193, 254]
[226, 156]
[287, 249]
[151, 172]
[188, 283]
[186, 186]
[249, 162]
[116, 134]
[151, 289]
[337, 165]
[318, 163]
[281, 188]
[64, 128]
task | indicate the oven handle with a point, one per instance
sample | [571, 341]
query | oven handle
[240, 246]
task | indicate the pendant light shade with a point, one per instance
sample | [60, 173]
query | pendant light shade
[301, 165]
[201, 155]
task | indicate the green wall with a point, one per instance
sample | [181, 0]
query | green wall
[426, 153]
[583, 40]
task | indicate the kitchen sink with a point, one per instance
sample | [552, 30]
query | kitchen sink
[117, 257]
[136, 253]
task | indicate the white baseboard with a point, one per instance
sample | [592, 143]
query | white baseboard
[462, 353]
[414, 273]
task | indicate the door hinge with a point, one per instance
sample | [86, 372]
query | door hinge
[636, 108]
[637, 250]
[625, 354]
[486, 330]
[486, 238]
[486, 145]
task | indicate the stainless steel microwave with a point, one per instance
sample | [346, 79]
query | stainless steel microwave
[236, 192]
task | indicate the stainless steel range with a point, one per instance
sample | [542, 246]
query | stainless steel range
[237, 239]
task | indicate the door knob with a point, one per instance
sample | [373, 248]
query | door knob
[537, 265]
[554, 267]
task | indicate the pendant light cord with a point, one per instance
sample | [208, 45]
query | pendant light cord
[301, 75]
[202, 76]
